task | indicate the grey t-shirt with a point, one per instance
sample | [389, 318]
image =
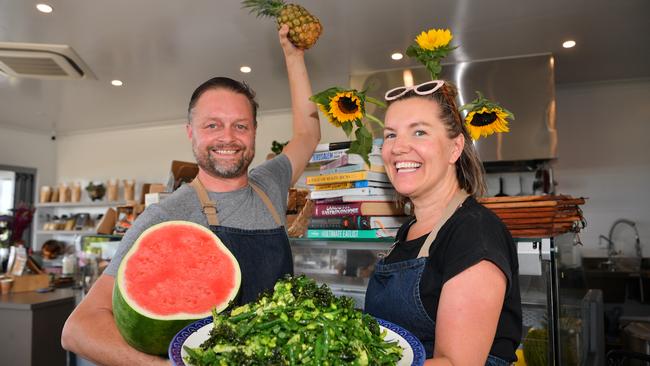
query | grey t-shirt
[242, 208]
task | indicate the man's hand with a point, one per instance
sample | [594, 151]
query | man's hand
[287, 47]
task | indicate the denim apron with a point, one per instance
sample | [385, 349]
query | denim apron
[264, 256]
[393, 292]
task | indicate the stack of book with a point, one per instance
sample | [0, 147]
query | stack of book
[352, 200]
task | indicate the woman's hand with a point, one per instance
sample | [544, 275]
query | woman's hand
[287, 47]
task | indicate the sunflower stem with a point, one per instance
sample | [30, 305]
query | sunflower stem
[375, 101]
[375, 119]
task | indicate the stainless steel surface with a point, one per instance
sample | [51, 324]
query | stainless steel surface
[523, 85]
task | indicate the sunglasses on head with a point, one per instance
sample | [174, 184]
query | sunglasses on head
[426, 88]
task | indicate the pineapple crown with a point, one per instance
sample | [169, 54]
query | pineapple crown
[264, 8]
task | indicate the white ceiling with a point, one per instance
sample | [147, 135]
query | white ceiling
[163, 49]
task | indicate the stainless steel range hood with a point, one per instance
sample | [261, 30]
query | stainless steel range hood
[523, 85]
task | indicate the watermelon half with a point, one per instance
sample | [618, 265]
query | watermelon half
[175, 273]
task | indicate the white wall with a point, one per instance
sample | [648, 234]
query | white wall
[145, 153]
[142, 153]
[604, 155]
[29, 150]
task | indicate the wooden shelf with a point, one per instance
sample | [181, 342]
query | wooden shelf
[66, 232]
[79, 204]
[377, 244]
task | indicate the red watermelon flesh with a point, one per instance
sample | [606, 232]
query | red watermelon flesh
[179, 271]
[175, 273]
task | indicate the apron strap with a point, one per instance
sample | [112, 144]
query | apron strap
[457, 200]
[208, 207]
[267, 202]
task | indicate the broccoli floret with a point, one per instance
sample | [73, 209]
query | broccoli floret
[221, 333]
[370, 323]
[346, 302]
[323, 296]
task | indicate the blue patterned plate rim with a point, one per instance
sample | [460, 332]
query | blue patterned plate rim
[419, 355]
[176, 345]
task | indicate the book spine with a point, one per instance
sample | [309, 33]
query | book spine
[336, 178]
[341, 161]
[333, 146]
[343, 169]
[355, 184]
[333, 186]
[373, 198]
[326, 156]
[336, 210]
[346, 222]
[344, 234]
[328, 200]
[340, 192]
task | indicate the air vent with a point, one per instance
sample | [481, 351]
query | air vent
[42, 61]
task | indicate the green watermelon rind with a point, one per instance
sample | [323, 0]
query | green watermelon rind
[152, 334]
[145, 334]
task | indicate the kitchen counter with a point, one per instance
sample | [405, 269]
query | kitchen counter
[31, 325]
[34, 300]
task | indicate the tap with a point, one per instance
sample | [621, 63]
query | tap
[637, 241]
[611, 252]
[610, 246]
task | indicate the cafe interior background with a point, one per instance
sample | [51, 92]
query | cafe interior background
[83, 128]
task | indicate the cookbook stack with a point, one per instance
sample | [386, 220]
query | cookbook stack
[352, 200]
[538, 216]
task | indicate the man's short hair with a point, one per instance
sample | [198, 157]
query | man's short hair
[222, 82]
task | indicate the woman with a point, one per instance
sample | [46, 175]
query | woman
[451, 278]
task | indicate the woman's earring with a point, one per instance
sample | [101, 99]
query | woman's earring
[408, 208]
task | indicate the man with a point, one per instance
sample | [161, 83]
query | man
[222, 124]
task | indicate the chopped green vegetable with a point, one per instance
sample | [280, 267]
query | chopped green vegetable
[300, 323]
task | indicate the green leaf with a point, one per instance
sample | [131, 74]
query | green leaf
[412, 51]
[467, 107]
[347, 128]
[362, 145]
[326, 95]
[320, 99]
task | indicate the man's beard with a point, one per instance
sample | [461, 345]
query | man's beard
[218, 169]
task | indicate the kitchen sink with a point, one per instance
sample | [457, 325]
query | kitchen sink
[616, 264]
[619, 278]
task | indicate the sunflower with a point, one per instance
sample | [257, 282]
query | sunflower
[346, 106]
[486, 122]
[430, 47]
[485, 117]
[434, 38]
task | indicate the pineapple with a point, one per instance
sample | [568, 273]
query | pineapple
[304, 28]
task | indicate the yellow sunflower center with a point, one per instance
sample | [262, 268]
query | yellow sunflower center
[434, 38]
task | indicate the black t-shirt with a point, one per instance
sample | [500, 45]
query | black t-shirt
[472, 234]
